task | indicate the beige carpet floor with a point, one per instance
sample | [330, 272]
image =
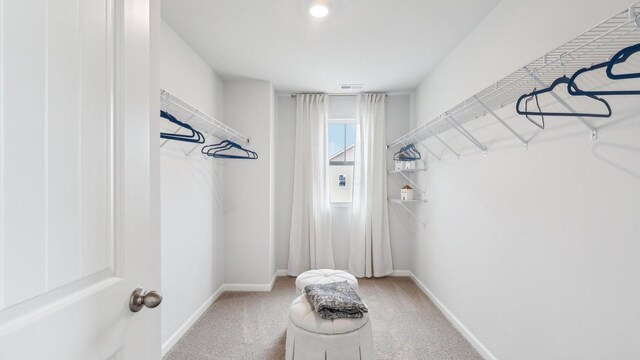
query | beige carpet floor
[252, 325]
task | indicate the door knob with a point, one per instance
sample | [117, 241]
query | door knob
[141, 298]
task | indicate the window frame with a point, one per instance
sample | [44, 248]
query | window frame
[345, 122]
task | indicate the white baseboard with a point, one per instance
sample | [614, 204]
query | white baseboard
[273, 280]
[401, 273]
[480, 348]
[252, 287]
[281, 272]
[247, 287]
[173, 339]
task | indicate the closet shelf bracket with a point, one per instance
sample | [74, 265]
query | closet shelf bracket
[466, 133]
[593, 130]
[415, 185]
[511, 130]
[429, 151]
[445, 144]
[401, 203]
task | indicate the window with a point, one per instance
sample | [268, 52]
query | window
[342, 139]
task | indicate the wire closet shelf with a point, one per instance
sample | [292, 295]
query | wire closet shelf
[198, 119]
[596, 45]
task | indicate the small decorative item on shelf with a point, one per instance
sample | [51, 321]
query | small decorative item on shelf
[406, 193]
[409, 165]
[399, 165]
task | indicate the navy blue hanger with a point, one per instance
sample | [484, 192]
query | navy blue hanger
[561, 80]
[224, 143]
[618, 58]
[195, 136]
[411, 153]
[407, 153]
[621, 57]
[218, 151]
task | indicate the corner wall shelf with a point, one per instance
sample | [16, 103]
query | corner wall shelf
[398, 201]
[407, 171]
[595, 45]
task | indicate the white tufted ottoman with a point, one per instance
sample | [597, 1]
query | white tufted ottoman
[324, 276]
[310, 337]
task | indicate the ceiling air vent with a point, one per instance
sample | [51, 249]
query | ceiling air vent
[351, 86]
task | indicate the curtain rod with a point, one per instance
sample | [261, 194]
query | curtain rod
[334, 94]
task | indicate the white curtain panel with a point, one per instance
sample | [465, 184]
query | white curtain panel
[310, 244]
[370, 250]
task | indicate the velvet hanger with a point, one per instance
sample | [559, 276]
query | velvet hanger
[562, 81]
[195, 136]
[618, 58]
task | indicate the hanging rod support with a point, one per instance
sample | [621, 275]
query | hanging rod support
[593, 129]
[445, 144]
[412, 182]
[466, 134]
[526, 144]
[429, 150]
[412, 214]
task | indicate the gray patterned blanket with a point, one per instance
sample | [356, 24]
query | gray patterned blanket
[335, 300]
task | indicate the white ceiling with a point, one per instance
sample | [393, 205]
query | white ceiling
[388, 45]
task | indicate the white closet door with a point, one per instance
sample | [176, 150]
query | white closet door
[74, 180]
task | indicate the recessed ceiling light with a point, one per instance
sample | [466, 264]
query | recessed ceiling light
[319, 8]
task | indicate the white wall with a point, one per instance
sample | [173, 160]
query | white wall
[401, 224]
[248, 210]
[398, 122]
[285, 159]
[212, 237]
[535, 252]
[191, 193]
